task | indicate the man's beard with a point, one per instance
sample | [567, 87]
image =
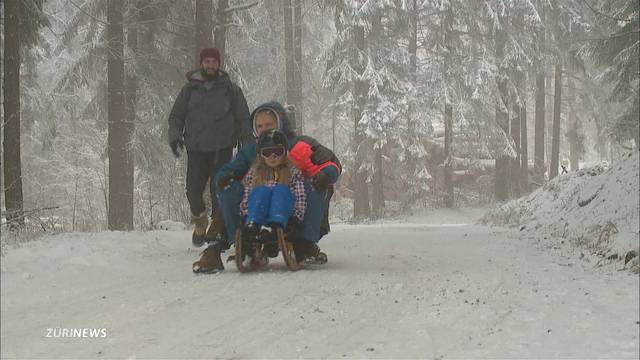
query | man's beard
[209, 76]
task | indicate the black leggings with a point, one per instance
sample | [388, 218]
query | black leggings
[202, 167]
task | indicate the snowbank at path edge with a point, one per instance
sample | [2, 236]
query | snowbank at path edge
[593, 209]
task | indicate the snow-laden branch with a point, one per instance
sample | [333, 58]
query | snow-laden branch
[240, 7]
[89, 15]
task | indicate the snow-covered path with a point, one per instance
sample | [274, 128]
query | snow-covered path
[416, 290]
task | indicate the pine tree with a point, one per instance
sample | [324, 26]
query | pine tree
[120, 196]
[540, 104]
[617, 52]
[22, 20]
[371, 81]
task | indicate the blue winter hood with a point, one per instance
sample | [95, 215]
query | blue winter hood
[283, 120]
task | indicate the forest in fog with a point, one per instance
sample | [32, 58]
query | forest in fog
[427, 103]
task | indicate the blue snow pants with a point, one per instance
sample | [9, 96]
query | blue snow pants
[317, 203]
[270, 205]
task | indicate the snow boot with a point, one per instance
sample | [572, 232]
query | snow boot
[251, 247]
[267, 237]
[210, 261]
[231, 253]
[267, 234]
[250, 233]
[216, 231]
[248, 236]
[308, 252]
[200, 223]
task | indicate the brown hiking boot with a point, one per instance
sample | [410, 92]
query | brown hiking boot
[216, 229]
[199, 229]
[210, 261]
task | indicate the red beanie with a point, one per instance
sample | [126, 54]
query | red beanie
[209, 52]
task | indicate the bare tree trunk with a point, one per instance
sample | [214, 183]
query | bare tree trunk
[549, 116]
[120, 197]
[601, 140]
[75, 202]
[377, 193]
[555, 141]
[557, 98]
[518, 97]
[539, 131]
[411, 162]
[514, 172]
[289, 52]
[220, 32]
[203, 27]
[131, 101]
[297, 52]
[540, 111]
[361, 207]
[447, 25]
[572, 135]
[378, 187]
[11, 126]
[502, 118]
[448, 156]
[104, 184]
[339, 28]
[524, 144]
[333, 129]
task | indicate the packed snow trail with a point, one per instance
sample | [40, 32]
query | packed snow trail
[416, 290]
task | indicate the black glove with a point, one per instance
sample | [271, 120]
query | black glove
[226, 180]
[320, 181]
[175, 144]
[321, 155]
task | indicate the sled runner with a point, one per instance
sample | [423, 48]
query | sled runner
[253, 252]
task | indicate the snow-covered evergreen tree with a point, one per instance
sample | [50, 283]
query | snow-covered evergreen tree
[615, 49]
[369, 73]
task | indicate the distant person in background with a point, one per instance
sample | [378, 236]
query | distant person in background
[210, 117]
[564, 165]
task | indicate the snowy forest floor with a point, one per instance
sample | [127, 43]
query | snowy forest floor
[431, 286]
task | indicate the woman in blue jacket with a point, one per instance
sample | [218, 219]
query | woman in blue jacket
[319, 166]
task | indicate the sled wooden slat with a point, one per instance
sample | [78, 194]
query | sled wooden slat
[286, 248]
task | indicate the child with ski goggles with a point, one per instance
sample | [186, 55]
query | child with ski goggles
[273, 188]
[273, 151]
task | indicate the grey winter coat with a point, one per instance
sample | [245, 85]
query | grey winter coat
[210, 115]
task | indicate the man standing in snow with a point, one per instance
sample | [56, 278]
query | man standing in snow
[210, 118]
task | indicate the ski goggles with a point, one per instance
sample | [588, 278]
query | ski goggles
[272, 151]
